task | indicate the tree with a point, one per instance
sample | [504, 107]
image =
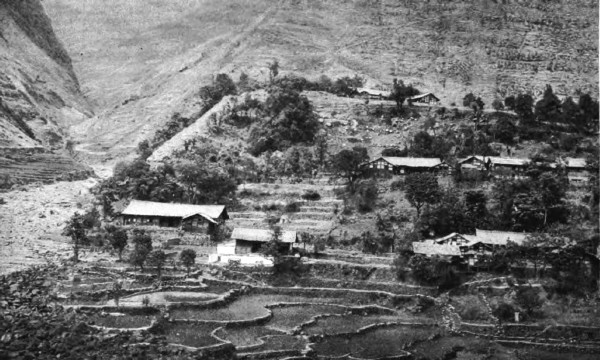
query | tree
[524, 107]
[142, 247]
[205, 183]
[589, 108]
[510, 102]
[448, 215]
[421, 189]
[400, 92]
[188, 258]
[289, 119]
[144, 150]
[117, 287]
[76, 230]
[273, 69]
[497, 105]
[212, 94]
[548, 109]
[348, 165]
[504, 131]
[118, 239]
[528, 299]
[157, 258]
[244, 82]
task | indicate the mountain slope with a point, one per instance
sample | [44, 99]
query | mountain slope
[142, 61]
[39, 92]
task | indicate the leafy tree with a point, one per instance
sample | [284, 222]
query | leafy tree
[448, 215]
[529, 299]
[244, 82]
[76, 230]
[548, 109]
[205, 183]
[188, 258]
[589, 108]
[421, 189]
[504, 131]
[222, 86]
[497, 105]
[425, 145]
[144, 150]
[366, 196]
[510, 102]
[142, 247]
[476, 209]
[290, 120]
[117, 238]
[91, 218]
[400, 92]
[348, 165]
[474, 103]
[523, 106]
[157, 258]
[273, 69]
[116, 290]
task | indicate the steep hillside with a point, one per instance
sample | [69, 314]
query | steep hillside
[39, 93]
[142, 61]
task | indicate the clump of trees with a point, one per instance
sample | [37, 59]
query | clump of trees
[289, 120]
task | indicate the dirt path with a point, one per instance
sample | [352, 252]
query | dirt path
[31, 222]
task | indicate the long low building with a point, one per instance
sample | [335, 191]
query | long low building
[406, 165]
[188, 216]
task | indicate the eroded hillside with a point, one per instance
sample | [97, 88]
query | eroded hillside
[143, 62]
[39, 92]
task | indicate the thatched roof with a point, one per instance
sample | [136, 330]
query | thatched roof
[374, 92]
[496, 160]
[493, 237]
[430, 247]
[412, 161]
[575, 163]
[151, 208]
[262, 235]
[421, 96]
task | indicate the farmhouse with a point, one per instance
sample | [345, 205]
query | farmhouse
[405, 165]
[245, 244]
[498, 166]
[373, 94]
[189, 217]
[427, 98]
[577, 169]
[431, 248]
[250, 240]
[468, 247]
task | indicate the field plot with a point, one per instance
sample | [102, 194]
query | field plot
[289, 317]
[246, 336]
[344, 324]
[381, 342]
[122, 321]
[247, 307]
[194, 335]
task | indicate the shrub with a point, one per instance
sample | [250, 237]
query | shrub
[504, 312]
[311, 195]
[529, 300]
[292, 207]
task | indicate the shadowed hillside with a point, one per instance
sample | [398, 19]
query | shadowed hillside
[143, 61]
[39, 93]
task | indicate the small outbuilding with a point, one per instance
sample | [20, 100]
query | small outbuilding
[249, 241]
[427, 98]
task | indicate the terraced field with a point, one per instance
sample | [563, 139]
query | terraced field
[42, 168]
